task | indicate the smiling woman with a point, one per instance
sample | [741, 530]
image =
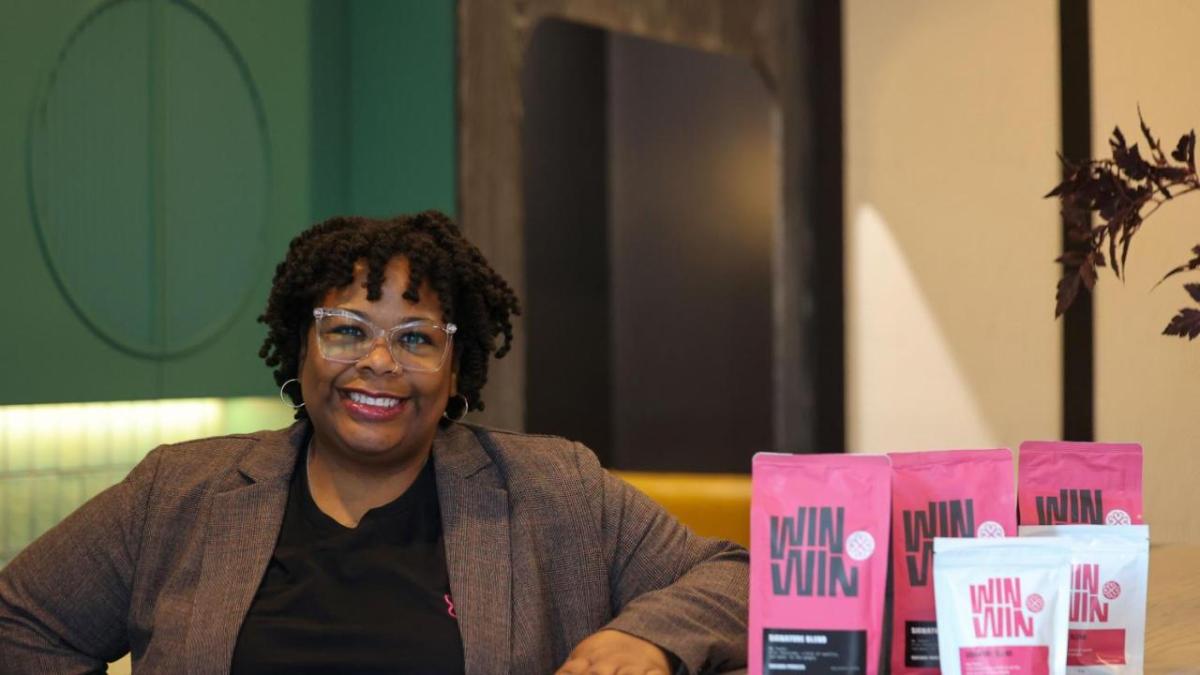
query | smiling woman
[379, 533]
[374, 404]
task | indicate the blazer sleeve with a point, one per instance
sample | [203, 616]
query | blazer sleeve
[685, 593]
[64, 600]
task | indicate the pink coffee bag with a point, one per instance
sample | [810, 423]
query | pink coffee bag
[1062, 482]
[818, 563]
[955, 493]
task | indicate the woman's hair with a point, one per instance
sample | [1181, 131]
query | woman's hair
[473, 296]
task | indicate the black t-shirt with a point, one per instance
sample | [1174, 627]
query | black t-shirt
[370, 599]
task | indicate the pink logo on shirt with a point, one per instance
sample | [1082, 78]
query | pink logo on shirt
[449, 605]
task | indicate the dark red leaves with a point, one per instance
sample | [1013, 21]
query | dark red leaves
[1187, 322]
[1188, 266]
[1081, 271]
[1185, 150]
[1121, 192]
[1068, 288]
[1193, 290]
[1154, 146]
[1128, 160]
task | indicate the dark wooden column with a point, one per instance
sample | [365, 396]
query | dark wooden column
[1078, 402]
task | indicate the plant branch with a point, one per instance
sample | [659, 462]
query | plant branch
[1123, 191]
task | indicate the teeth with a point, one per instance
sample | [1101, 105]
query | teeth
[379, 402]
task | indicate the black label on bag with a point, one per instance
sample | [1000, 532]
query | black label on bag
[824, 652]
[921, 644]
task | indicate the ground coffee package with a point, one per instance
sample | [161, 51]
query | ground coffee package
[955, 493]
[818, 563]
[1079, 483]
[1107, 612]
[1002, 605]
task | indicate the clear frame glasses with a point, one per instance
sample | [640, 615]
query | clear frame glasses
[418, 346]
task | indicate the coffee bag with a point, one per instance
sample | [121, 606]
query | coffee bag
[1107, 611]
[1063, 482]
[818, 563]
[956, 493]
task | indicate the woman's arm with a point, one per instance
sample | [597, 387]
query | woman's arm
[685, 593]
[64, 600]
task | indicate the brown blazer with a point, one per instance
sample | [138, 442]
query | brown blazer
[543, 546]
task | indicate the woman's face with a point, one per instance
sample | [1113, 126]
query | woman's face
[371, 411]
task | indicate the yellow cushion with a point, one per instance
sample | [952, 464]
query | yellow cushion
[712, 504]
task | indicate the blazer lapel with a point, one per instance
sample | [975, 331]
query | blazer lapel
[242, 528]
[475, 525]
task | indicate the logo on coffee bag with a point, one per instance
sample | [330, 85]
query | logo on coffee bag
[999, 610]
[949, 518]
[1087, 603]
[808, 553]
[1071, 506]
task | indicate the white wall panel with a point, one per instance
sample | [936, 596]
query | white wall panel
[1147, 385]
[951, 130]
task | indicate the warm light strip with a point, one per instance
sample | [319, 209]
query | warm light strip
[63, 436]
[54, 457]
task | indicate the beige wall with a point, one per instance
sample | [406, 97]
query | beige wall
[951, 132]
[951, 124]
[1148, 385]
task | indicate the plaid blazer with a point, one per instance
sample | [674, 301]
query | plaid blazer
[544, 547]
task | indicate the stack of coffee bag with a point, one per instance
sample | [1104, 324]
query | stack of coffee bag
[1067, 596]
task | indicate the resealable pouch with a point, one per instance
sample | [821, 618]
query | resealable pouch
[1065, 483]
[1002, 605]
[952, 493]
[1107, 612]
[818, 563]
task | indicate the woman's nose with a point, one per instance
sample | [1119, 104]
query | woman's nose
[379, 359]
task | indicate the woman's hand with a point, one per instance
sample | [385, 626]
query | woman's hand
[611, 652]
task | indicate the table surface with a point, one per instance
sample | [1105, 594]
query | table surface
[1173, 610]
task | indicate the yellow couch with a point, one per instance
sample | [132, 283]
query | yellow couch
[713, 505]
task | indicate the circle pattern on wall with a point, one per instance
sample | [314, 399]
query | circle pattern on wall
[149, 176]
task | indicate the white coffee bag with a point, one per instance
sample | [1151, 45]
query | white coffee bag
[1107, 611]
[1002, 605]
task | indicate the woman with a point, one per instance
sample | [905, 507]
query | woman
[377, 534]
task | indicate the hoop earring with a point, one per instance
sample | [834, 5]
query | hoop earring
[283, 397]
[466, 408]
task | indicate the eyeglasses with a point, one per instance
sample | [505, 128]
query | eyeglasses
[417, 346]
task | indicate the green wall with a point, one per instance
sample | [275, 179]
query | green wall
[157, 155]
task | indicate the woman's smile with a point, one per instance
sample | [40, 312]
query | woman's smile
[372, 407]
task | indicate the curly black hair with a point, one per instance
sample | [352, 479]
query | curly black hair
[473, 296]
